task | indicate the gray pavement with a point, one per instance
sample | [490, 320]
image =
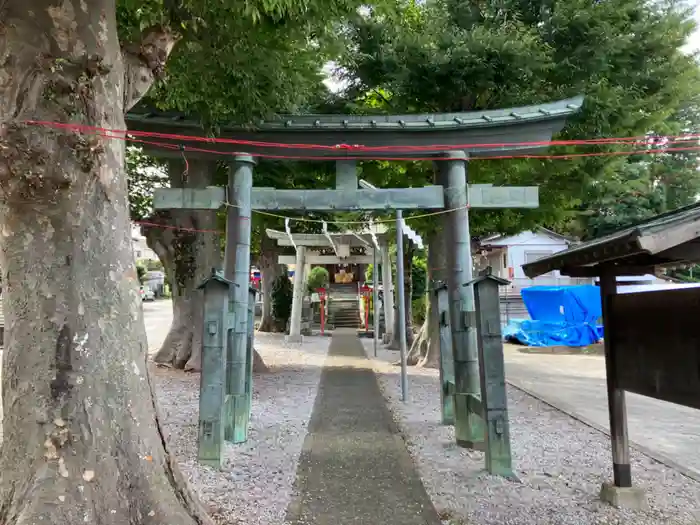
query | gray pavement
[354, 466]
[576, 384]
[157, 315]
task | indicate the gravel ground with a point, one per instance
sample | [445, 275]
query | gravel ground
[561, 464]
[255, 485]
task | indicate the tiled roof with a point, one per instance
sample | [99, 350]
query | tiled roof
[423, 122]
[666, 239]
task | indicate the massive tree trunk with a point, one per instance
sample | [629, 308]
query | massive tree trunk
[188, 255]
[82, 440]
[425, 351]
[270, 269]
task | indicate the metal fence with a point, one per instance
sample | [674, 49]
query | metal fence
[546, 280]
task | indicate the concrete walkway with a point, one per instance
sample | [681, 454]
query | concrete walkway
[576, 384]
[354, 466]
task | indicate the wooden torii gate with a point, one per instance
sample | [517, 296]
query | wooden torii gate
[449, 138]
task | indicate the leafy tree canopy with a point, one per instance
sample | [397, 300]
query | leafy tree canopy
[644, 186]
[144, 175]
[448, 55]
[240, 59]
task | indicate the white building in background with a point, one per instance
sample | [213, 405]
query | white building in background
[507, 254]
[140, 247]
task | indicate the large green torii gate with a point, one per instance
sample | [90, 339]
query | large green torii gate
[450, 138]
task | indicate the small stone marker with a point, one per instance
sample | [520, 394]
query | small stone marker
[492, 374]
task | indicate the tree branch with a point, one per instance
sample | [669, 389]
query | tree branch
[144, 62]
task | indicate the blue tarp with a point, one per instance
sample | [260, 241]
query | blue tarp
[560, 316]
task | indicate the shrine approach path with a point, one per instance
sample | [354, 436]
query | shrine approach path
[354, 466]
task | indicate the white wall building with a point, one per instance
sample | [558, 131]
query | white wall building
[140, 247]
[507, 254]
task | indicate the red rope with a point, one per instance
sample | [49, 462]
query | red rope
[470, 158]
[173, 227]
[131, 137]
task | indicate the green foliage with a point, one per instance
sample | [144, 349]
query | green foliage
[140, 271]
[289, 175]
[644, 186]
[150, 265]
[689, 274]
[282, 295]
[318, 278]
[144, 174]
[369, 273]
[419, 275]
[418, 310]
[240, 59]
[450, 55]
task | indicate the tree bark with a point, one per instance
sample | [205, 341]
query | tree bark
[394, 342]
[82, 439]
[425, 351]
[270, 269]
[188, 255]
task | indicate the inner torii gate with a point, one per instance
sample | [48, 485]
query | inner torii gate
[377, 252]
[448, 138]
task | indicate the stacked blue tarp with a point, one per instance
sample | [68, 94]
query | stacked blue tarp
[560, 316]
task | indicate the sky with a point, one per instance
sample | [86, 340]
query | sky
[694, 42]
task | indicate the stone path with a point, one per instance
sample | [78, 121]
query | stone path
[354, 466]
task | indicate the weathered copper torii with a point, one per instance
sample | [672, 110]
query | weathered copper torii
[450, 138]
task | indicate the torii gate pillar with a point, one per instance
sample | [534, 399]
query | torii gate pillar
[298, 297]
[468, 421]
[237, 270]
[387, 283]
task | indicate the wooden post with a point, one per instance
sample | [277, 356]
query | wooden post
[212, 382]
[492, 372]
[365, 300]
[402, 304]
[322, 298]
[388, 293]
[441, 305]
[375, 299]
[622, 473]
[237, 270]
[468, 420]
[298, 296]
